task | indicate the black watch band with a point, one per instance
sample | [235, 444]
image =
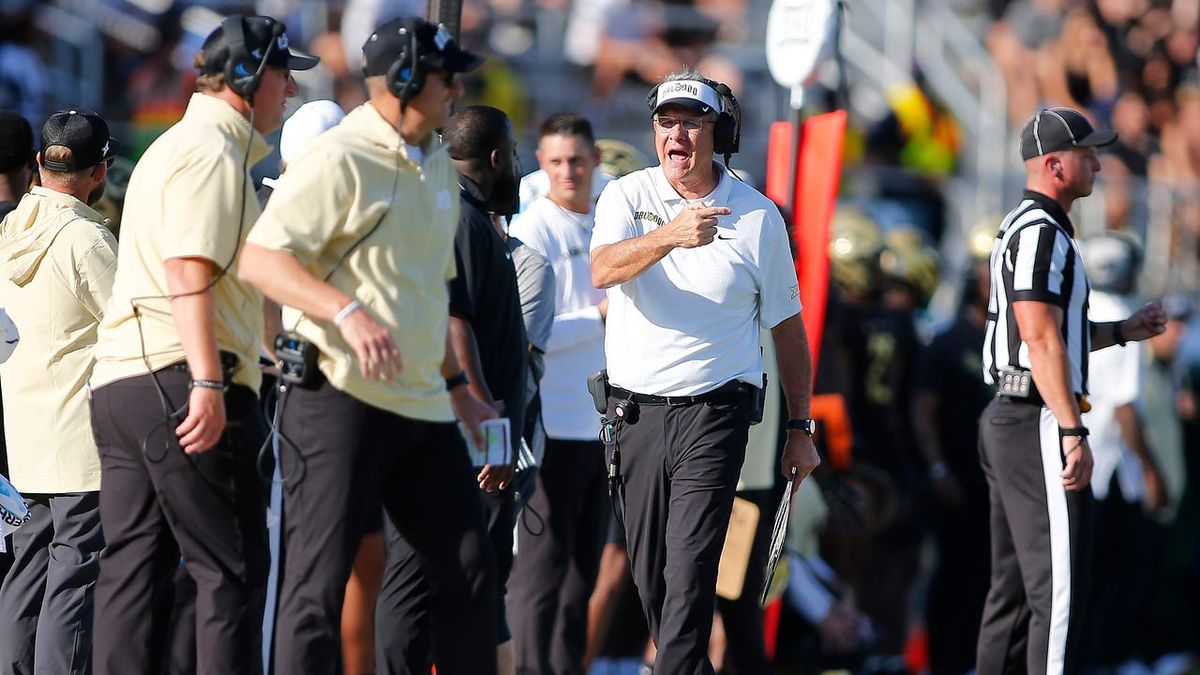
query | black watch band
[807, 425]
[1081, 432]
[456, 380]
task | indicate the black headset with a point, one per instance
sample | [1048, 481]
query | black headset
[243, 73]
[727, 134]
[406, 76]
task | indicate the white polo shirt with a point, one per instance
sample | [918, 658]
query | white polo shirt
[576, 346]
[690, 322]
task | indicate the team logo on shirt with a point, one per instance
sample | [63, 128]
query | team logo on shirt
[652, 217]
[795, 291]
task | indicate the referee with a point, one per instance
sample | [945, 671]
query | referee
[1033, 445]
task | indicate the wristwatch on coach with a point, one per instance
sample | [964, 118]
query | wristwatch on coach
[807, 425]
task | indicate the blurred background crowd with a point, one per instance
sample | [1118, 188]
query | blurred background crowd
[889, 549]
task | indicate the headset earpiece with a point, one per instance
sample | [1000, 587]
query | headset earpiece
[243, 73]
[239, 72]
[727, 134]
[406, 77]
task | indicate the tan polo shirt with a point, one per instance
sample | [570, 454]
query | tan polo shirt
[182, 202]
[332, 195]
[58, 262]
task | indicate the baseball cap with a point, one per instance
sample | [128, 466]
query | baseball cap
[85, 134]
[16, 141]
[258, 31]
[1054, 129]
[309, 121]
[392, 41]
[694, 95]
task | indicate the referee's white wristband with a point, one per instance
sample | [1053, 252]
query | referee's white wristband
[346, 311]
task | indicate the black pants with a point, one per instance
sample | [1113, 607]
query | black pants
[340, 458]
[746, 651]
[46, 600]
[556, 566]
[157, 503]
[1124, 553]
[959, 584]
[404, 639]
[1041, 545]
[679, 472]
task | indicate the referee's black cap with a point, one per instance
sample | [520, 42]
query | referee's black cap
[1054, 129]
[85, 134]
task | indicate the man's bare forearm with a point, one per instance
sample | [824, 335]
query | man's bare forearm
[794, 361]
[1130, 425]
[466, 353]
[1052, 376]
[284, 280]
[619, 262]
[194, 313]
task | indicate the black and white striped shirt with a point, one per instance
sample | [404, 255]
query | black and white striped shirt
[1035, 258]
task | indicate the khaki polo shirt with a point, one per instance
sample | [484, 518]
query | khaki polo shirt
[57, 261]
[332, 195]
[183, 202]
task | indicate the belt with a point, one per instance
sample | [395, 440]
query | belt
[1035, 398]
[726, 392]
[229, 362]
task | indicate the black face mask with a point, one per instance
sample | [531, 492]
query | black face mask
[506, 194]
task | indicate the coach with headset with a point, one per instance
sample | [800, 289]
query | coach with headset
[357, 243]
[694, 262]
[174, 400]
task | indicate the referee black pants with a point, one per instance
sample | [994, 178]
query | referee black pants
[340, 458]
[679, 472]
[1041, 545]
[157, 503]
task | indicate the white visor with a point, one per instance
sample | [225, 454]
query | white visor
[692, 94]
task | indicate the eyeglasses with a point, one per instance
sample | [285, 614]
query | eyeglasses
[109, 162]
[690, 125]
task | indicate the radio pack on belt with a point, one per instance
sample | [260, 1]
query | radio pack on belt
[598, 387]
[297, 359]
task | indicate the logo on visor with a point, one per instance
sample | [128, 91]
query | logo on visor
[282, 43]
[685, 87]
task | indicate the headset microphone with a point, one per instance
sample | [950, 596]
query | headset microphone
[276, 33]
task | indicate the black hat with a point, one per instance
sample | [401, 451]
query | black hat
[1054, 129]
[437, 48]
[258, 32]
[85, 134]
[16, 141]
